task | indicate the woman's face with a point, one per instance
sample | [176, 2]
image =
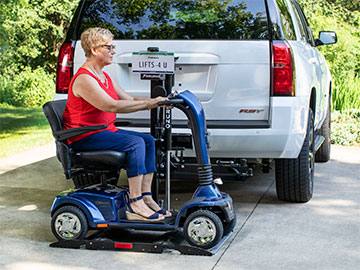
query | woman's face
[105, 52]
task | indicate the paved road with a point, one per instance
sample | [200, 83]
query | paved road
[321, 234]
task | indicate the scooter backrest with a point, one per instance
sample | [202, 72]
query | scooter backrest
[53, 111]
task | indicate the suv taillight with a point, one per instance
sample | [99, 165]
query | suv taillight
[283, 68]
[65, 69]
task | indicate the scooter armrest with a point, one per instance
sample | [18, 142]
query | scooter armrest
[63, 135]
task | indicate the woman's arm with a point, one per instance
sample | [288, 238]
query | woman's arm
[89, 89]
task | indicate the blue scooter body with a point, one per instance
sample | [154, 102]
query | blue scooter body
[102, 205]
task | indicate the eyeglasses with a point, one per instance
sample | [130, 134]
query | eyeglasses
[108, 47]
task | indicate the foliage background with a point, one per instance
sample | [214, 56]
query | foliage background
[31, 32]
[343, 17]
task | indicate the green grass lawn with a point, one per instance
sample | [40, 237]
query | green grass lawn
[22, 129]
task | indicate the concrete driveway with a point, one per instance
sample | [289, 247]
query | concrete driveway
[321, 234]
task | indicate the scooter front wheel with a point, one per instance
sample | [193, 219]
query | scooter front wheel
[203, 228]
[69, 223]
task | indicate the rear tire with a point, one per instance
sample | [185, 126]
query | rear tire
[294, 177]
[69, 223]
[323, 153]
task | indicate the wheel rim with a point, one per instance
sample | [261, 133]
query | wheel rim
[67, 226]
[202, 230]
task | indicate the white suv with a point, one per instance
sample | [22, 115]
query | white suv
[254, 65]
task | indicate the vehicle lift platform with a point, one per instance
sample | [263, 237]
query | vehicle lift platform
[139, 241]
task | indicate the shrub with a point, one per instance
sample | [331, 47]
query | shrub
[29, 88]
[345, 129]
[346, 94]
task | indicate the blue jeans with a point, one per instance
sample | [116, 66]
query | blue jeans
[139, 147]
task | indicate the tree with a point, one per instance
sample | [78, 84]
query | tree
[34, 31]
[31, 32]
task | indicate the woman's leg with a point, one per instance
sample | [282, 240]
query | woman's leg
[146, 187]
[134, 146]
[150, 165]
[135, 190]
[150, 155]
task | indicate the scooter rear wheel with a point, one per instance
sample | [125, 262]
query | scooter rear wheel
[69, 223]
[203, 229]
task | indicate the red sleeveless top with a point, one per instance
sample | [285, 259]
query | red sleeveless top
[79, 113]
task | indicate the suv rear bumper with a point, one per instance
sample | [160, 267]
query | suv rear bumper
[284, 138]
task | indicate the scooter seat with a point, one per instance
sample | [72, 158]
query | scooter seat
[99, 160]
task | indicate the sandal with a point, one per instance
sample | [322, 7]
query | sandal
[161, 211]
[131, 215]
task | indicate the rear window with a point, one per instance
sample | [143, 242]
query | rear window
[179, 19]
[287, 24]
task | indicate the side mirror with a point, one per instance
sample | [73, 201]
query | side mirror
[326, 38]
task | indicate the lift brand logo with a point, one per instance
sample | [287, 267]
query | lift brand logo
[167, 118]
[146, 76]
[248, 110]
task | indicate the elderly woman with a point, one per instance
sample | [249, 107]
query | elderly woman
[95, 99]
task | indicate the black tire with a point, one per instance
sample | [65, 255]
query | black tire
[209, 219]
[295, 177]
[323, 153]
[68, 212]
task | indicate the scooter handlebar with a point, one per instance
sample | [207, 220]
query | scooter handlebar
[171, 102]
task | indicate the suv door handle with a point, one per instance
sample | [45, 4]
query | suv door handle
[313, 61]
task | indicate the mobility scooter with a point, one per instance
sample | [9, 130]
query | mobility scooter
[98, 205]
